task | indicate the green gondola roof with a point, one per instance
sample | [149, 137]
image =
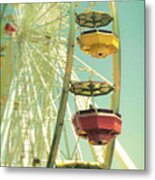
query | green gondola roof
[92, 19]
[90, 88]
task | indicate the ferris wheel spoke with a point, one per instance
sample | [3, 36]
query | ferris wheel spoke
[43, 82]
[38, 9]
[64, 155]
[76, 138]
[66, 142]
[25, 125]
[41, 14]
[32, 81]
[44, 58]
[38, 108]
[75, 148]
[123, 157]
[90, 6]
[32, 121]
[90, 69]
[5, 127]
[48, 24]
[17, 16]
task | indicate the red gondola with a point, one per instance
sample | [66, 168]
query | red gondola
[9, 28]
[77, 128]
[99, 126]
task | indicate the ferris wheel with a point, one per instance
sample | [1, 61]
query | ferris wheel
[51, 98]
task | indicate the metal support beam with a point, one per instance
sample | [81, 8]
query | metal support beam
[123, 158]
[116, 61]
[65, 89]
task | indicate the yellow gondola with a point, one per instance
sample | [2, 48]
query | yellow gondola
[98, 43]
[79, 164]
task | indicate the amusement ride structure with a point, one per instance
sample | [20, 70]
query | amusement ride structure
[49, 113]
